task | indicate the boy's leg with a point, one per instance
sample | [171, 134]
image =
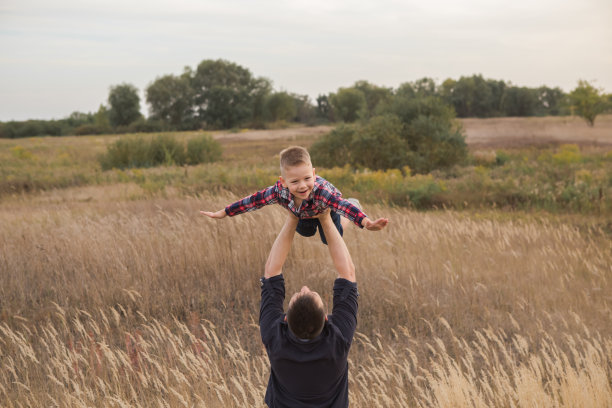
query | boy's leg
[307, 227]
[337, 219]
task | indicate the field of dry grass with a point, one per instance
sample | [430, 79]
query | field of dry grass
[537, 131]
[111, 298]
[116, 293]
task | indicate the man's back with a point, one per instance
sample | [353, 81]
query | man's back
[308, 373]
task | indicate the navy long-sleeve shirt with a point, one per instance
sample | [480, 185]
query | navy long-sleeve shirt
[307, 373]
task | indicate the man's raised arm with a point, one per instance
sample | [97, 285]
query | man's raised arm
[280, 249]
[337, 249]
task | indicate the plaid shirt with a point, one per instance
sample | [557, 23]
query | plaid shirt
[324, 195]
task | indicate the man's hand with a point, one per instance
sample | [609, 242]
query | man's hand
[218, 214]
[324, 215]
[374, 225]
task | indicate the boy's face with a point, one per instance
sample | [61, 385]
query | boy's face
[299, 180]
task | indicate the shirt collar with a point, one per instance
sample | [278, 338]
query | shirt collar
[305, 341]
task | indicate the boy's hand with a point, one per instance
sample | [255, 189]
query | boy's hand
[374, 225]
[218, 214]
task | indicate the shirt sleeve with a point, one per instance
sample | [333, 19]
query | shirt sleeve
[271, 308]
[344, 313]
[332, 198]
[253, 202]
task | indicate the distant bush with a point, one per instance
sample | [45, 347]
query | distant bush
[419, 132]
[379, 144]
[334, 148]
[203, 149]
[166, 150]
[90, 130]
[131, 152]
[568, 153]
[28, 128]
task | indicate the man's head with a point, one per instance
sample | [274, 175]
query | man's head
[297, 173]
[306, 314]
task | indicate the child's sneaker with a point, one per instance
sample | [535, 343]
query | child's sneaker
[355, 202]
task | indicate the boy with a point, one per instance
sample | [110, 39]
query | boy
[305, 195]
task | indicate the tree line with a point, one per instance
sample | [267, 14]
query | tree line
[220, 94]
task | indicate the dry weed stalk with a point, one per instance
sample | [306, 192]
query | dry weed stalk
[132, 303]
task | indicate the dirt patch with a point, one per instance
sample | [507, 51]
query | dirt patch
[480, 133]
[550, 130]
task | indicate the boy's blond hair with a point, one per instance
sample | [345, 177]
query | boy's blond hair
[292, 156]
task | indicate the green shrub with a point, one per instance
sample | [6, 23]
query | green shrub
[127, 153]
[203, 149]
[333, 149]
[131, 152]
[379, 144]
[165, 149]
[569, 153]
[501, 158]
[419, 132]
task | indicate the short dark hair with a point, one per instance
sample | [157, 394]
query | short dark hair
[305, 317]
[292, 156]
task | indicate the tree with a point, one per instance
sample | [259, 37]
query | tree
[421, 87]
[101, 118]
[170, 100]
[374, 95]
[520, 101]
[470, 96]
[280, 106]
[348, 104]
[124, 105]
[587, 101]
[223, 93]
[324, 109]
[550, 101]
[305, 111]
[262, 88]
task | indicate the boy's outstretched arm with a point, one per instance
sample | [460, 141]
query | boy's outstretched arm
[261, 198]
[216, 214]
[376, 225]
[280, 249]
[333, 199]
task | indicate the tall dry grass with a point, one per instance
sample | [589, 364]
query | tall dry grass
[112, 301]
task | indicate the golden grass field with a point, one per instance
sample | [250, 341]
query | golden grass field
[113, 297]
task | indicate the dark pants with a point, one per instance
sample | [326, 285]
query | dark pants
[308, 227]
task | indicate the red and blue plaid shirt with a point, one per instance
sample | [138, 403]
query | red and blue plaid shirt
[323, 195]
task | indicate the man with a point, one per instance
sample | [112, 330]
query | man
[308, 350]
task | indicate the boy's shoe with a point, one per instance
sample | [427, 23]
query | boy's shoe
[355, 202]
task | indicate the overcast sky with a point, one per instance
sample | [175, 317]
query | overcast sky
[61, 56]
